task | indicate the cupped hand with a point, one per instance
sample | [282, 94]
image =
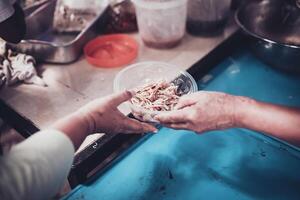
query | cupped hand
[201, 111]
[102, 115]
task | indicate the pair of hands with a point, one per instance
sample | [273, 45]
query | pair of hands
[201, 111]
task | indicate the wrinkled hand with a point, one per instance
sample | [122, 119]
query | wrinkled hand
[201, 111]
[102, 115]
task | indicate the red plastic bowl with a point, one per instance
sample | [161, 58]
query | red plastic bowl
[111, 50]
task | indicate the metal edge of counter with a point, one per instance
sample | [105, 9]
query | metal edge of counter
[17, 121]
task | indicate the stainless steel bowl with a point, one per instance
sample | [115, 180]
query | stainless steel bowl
[274, 26]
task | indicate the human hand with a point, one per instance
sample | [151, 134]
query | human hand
[201, 111]
[102, 115]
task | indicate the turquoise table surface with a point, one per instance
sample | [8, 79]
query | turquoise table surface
[230, 164]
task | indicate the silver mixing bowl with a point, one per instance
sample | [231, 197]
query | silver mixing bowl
[274, 26]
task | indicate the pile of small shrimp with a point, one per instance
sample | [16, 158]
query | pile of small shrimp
[158, 96]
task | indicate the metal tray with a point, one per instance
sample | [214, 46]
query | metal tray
[47, 46]
[227, 164]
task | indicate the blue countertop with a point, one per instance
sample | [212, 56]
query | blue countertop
[230, 164]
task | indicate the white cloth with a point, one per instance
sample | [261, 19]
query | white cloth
[6, 9]
[37, 167]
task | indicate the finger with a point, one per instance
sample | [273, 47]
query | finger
[134, 126]
[191, 99]
[118, 98]
[185, 101]
[183, 125]
[175, 116]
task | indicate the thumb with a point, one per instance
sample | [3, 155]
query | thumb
[118, 98]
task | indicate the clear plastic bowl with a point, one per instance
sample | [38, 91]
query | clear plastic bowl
[143, 73]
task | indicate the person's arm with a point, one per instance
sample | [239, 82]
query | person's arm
[280, 121]
[38, 167]
[205, 111]
[12, 22]
[101, 116]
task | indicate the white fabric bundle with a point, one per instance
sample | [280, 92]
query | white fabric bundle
[17, 67]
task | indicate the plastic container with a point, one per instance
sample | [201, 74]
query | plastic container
[161, 23]
[143, 73]
[83, 5]
[207, 17]
[111, 50]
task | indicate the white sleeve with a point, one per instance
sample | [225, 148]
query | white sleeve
[6, 10]
[36, 168]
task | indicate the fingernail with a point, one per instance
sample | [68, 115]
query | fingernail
[132, 92]
[128, 93]
[154, 130]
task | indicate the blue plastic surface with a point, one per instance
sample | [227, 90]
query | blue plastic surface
[231, 164]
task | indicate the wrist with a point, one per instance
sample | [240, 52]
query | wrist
[228, 106]
[242, 108]
[74, 127]
[72, 122]
[86, 120]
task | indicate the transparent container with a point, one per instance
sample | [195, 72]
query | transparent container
[83, 5]
[143, 73]
[161, 23]
[207, 17]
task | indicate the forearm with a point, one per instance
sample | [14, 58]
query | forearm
[279, 121]
[74, 127]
